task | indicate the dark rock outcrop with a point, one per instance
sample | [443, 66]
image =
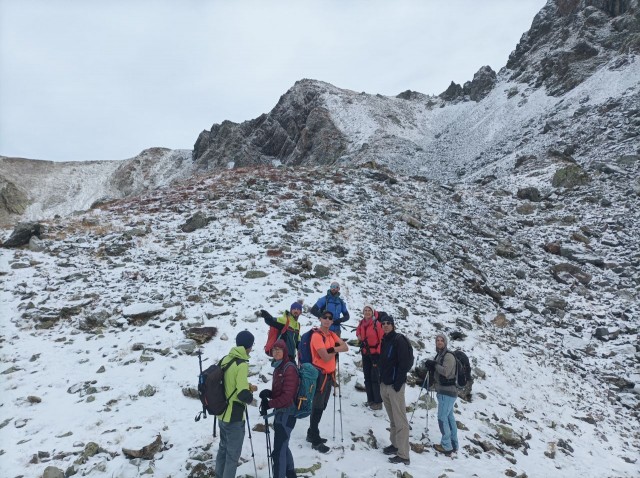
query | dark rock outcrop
[22, 233]
[483, 82]
[570, 39]
[299, 130]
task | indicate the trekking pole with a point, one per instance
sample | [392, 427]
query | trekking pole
[334, 414]
[203, 413]
[266, 432]
[253, 456]
[425, 381]
[340, 404]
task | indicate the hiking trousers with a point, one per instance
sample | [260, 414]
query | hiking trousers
[230, 448]
[371, 377]
[320, 401]
[447, 422]
[396, 408]
[283, 423]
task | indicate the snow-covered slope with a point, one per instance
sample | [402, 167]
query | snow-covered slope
[61, 188]
[552, 334]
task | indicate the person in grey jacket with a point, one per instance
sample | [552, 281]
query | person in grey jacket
[444, 368]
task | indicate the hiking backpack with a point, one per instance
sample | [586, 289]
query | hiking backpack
[463, 370]
[409, 346]
[303, 400]
[275, 334]
[304, 347]
[211, 387]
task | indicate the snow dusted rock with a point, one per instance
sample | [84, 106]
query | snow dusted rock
[186, 346]
[142, 311]
[195, 222]
[53, 472]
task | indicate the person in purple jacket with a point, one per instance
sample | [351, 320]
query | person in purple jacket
[281, 398]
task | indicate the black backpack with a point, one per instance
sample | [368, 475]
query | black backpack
[211, 388]
[409, 346]
[463, 370]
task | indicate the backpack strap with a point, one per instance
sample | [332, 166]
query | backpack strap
[237, 361]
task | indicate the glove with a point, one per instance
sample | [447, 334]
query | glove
[331, 350]
[264, 406]
[430, 364]
[266, 393]
[397, 386]
[263, 313]
[336, 323]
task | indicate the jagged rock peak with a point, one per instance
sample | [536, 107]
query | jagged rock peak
[570, 39]
[299, 130]
[483, 82]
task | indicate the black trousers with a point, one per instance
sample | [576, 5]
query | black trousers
[371, 377]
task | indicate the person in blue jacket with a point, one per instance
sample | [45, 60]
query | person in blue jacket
[332, 302]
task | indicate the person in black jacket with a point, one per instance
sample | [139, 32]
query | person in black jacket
[395, 363]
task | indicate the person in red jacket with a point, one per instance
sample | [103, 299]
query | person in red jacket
[281, 398]
[369, 333]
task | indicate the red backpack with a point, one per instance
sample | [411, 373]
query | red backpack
[275, 334]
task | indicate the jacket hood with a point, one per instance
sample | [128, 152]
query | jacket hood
[239, 352]
[281, 344]
[444, 337]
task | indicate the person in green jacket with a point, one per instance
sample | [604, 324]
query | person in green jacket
[288, 327]
[239, 391]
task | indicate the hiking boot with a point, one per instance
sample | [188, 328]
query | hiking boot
[315, 439]
[390, 450]
[376, 406]
[397, 460]
[321, 447]
[440, 449]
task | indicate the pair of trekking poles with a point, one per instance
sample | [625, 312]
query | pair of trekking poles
[425, 382]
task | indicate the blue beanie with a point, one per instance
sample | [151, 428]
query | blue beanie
[245, 339]
[296, 305]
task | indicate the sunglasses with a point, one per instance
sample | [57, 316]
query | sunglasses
[386, 323]
[330, 317]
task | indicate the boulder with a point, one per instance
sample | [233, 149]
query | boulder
[569, 177]
[530, 193]
[195, 222]
[22, 233]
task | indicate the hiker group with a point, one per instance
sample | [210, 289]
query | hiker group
[306, 368]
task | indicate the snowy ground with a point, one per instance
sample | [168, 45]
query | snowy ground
[88, 369]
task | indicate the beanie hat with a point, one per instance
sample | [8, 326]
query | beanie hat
[245, 339]
[334, 285]
[296, 306]
[444, 337]
[371, 307]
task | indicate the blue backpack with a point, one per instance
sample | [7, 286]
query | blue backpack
[304, 347]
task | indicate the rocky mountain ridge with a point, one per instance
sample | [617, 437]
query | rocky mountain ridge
[570, 87]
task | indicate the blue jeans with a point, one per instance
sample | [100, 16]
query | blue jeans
[447, 422]
[230, 448]
[283, 423]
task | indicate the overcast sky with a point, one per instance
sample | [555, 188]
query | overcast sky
[87, 80]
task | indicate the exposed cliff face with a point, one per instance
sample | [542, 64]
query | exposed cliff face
[299, 130]
[13, 200]
[570, 39]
